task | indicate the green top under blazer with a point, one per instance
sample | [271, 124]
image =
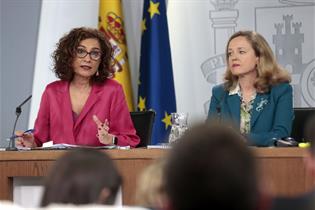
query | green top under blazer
[271, 116]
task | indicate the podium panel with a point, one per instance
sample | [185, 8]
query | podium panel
[282, 169]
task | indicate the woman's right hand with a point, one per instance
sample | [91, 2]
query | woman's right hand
[25, 139]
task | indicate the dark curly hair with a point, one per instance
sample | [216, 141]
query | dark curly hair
[65, 53]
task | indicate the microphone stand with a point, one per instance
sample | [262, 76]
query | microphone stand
[18, 112]
[218, 108]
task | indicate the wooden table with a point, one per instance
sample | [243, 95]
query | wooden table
[281, 168]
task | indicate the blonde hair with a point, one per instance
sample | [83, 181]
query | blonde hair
[269, 71]
[150, 190]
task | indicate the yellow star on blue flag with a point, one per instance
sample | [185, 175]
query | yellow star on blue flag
[154, 9]
[167, 120]
[156, 87]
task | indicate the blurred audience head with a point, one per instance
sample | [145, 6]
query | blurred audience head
[82, 176]
[150, 192]
[211, 166]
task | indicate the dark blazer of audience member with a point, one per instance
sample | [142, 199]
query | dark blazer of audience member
[82, 177]
[256, 95]
[307, 200]
[84, 107]
[211, 167]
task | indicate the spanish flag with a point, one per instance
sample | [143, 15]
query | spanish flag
[111, 22]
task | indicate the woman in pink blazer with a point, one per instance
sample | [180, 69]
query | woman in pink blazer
[84, 107]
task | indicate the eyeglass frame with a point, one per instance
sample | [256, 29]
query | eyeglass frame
[88, 53]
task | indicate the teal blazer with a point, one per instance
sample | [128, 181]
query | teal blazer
[271, 116]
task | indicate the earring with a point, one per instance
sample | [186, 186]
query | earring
[97, 73]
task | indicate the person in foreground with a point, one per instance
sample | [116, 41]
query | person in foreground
[256, 95]
[84, 107]
[82, 176]
[307, 200]
[150, 192]
[211, 167]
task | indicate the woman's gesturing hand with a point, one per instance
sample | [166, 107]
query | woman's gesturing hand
[102, 131]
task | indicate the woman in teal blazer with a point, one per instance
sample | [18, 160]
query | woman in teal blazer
[256, 95]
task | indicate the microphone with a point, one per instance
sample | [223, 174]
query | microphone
[218, 108]
[18, 111]
[286, 142]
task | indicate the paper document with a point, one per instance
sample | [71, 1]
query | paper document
[159, 146]
[49, 145]
[69, 146]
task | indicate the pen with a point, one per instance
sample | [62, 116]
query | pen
[25, 132]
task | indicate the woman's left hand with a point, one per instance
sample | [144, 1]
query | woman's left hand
[102, 131]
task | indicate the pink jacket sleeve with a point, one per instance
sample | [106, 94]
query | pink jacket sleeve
[121, 124]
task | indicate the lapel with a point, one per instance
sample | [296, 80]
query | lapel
[63, 96]
[92, 99]
[234, 106]
[259, 104]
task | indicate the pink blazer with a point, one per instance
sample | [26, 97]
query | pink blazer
[107, 101]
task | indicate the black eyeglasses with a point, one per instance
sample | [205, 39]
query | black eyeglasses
[94, 54]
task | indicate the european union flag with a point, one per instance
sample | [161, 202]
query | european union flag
[156, 85]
